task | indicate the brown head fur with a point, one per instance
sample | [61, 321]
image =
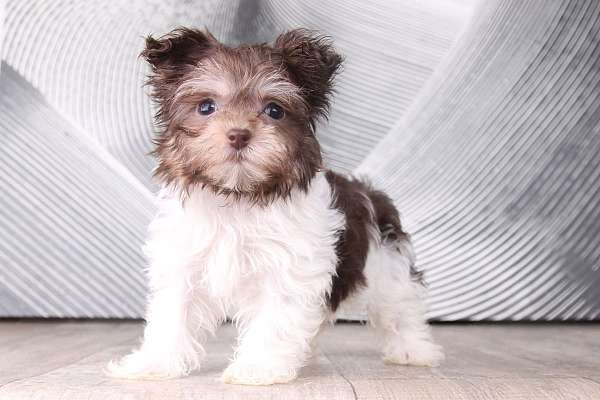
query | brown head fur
[190, 66]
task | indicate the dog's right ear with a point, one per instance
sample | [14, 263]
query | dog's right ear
[174, 53]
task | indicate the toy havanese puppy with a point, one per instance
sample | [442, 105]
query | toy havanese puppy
[250, 223]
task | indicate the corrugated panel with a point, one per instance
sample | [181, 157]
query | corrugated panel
[72, 217]
[496, 168]
[2, 28]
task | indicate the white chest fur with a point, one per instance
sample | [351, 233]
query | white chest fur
[269, 268]
[234, 249]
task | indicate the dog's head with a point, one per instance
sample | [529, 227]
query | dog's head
[241, 120]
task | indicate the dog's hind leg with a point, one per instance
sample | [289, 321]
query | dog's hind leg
[396, 304]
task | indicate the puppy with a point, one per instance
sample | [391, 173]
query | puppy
[251, 225]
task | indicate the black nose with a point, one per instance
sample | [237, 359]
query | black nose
[238, 138]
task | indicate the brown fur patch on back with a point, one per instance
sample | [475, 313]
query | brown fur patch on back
[368, 212]
[353, 244]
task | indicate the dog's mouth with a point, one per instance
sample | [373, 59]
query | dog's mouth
[237, 155]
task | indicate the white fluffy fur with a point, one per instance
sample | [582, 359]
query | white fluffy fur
[396, 306]
[269, 268]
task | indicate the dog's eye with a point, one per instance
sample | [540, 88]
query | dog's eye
[207, 107]
[274, 111]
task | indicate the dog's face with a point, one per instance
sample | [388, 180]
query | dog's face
[240, 121]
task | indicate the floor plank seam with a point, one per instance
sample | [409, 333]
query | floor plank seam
[591, 379]
[341, 374]
[349, 383]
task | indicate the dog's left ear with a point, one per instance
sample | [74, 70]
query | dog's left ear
[312, 63]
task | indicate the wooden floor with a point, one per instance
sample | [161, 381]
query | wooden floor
[49, 360]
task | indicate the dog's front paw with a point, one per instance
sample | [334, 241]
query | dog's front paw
[420, 353]
[138, 365]
[241, 373]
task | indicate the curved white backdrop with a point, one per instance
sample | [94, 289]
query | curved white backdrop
[481, 121]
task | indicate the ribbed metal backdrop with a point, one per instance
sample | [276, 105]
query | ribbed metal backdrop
[496, 167]
[482, 122]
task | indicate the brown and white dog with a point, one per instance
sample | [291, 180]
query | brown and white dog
[252, 226]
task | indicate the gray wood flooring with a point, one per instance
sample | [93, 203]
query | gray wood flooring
[64, 360]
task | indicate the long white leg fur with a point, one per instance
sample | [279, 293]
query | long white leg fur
[180, 312]
[396, 306]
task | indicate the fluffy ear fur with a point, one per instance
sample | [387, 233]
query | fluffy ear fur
[182, 46]
[312, 64]
[173, 55]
